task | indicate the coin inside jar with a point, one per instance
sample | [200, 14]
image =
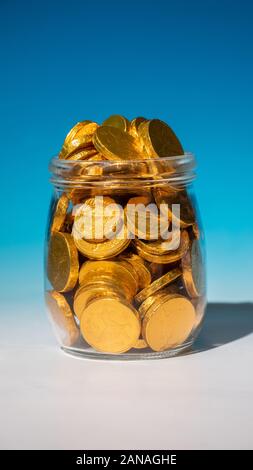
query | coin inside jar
[105, 250]
[143, 218]
[62, 263]
[165, 198]
[168, 322]
[62, 317]
[110, 325]
[60, 213]
[139, 266]
[107, 270]
[85, 293]
[158, 284]
[171, 257]
[97, 219]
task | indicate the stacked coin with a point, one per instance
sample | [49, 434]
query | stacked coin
[120, 280]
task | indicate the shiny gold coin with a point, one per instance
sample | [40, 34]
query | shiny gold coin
[138, 264]
[115, 144]
[140, 344]
[86, 293]
[168, 322]
[115, 271]
[98, 219]
[110, 325]
[117, 121]
[62, 317]
[169, 197]
[62, 263]
[160, 246]
[100, 251]
[60, 213]
[143, 218]
[75, 129]
[143, 308]
[85, 154]
[157, 285]
[159, 139]
[134, 125]
[171, 257]
[82, 139]
[193, 271]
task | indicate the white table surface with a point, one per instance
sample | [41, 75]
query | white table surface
[50, 400]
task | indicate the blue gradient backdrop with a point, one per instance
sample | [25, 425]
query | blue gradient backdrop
[187, 62]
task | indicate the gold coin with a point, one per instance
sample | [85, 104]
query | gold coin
[138, 264]
[115, 144]
[82, 139]
[117, 121]
[62, 318]
[167, 258]
[159, 139]
[72, 133]
[160, 246]
[193, 270]
[110, 325]
[168, 322]
[140, 344]
[134, 124]
[60, 213]
[85, 154]
[62, 264]
[107, 249]
[157, 285]
[116, 271]
[98, 219]
[85, 293]
[143, 218]
[169, 197]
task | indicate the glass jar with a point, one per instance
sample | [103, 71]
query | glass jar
[124, 258]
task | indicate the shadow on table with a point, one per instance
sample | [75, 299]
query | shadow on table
[223, 324]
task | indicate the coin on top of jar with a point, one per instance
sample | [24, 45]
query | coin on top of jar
[116, 120]
[159, 139]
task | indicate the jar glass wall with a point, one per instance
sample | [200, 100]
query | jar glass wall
[124, 258]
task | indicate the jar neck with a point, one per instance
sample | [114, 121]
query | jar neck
[177, 171]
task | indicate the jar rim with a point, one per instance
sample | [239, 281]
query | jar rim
[178, 170]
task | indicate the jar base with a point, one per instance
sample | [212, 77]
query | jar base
[130, 356]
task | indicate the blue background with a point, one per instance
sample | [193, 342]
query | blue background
[187, 62]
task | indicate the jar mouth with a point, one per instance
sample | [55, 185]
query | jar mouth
[178, 170]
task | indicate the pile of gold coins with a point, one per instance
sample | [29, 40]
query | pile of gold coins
[130, 292]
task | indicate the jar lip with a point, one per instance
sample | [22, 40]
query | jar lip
[177, 169]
